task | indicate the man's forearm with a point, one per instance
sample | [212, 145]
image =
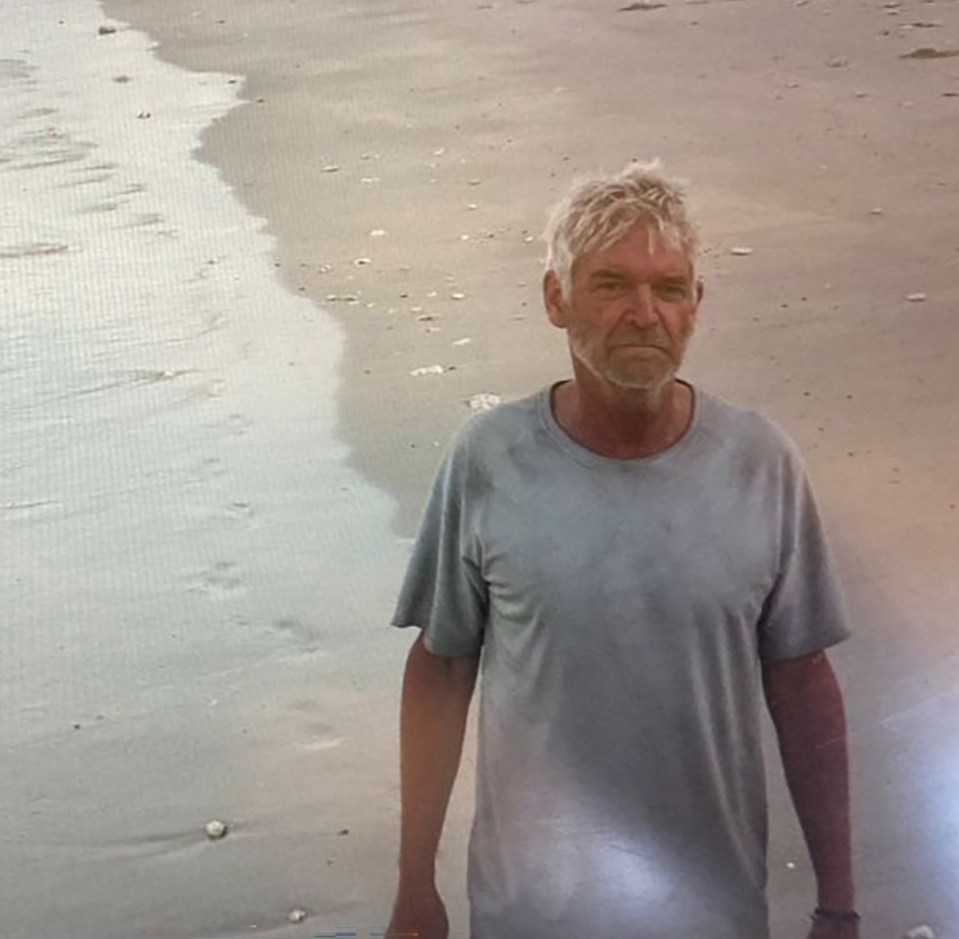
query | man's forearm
[807, 708]
[435, 704]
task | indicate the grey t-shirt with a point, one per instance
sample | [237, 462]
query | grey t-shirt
[622, 609]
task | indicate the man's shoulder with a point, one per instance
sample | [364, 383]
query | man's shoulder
[752, 431]
[498, 428]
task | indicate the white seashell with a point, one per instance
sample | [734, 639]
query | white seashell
[741, 252]
[920, 932]
[428, 370]
[458, 296]
[331, 169]
[916, 297]
[484, 402]
[215, 830]
[462, 342]
[297, 915]
[360, 262]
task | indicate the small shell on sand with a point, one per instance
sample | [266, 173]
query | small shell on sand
[741, 252]
[458, 296]
[916, 297]
[428, 370]
[483, 402]
[297, 915]
[215, 830]
[920, 932]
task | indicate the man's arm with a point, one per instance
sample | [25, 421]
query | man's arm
[436, 697]
[806, 706]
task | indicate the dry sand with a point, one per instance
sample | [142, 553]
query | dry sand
[452, 127]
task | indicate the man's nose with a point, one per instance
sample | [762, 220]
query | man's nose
[642, 306]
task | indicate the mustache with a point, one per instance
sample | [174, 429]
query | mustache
[625, 339]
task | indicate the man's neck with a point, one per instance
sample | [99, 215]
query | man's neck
[624, 424]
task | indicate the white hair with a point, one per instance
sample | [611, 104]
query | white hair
[598, 211]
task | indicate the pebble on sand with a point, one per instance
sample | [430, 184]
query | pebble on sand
[458, 296]
[362, 262]
[332, 168]
[741, 252]
[297, 915]
[106, 30]
[916, 297]
[837, 61]
[215, 830]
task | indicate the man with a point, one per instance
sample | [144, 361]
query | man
[635, 560]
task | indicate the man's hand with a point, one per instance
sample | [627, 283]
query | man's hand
[418, 914]
[828, 929]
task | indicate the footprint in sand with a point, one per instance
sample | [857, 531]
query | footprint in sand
[221, 580]
[239, 511]
[238, 424]
[319, 735]
[305, 636]
[206, 470]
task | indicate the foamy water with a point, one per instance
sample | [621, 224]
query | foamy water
[185, 555]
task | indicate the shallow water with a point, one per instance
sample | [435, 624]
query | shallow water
[191, 575]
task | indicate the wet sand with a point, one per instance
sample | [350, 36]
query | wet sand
[449, 129]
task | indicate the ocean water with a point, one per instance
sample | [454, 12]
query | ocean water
[195, 586]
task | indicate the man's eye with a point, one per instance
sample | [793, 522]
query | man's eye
[672, 291]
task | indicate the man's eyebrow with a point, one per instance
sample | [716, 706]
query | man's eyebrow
[605, 273]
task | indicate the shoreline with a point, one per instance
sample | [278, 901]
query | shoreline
[335, 97]
[793, 124]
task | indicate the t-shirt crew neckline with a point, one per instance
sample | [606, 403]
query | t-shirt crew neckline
[544, 408]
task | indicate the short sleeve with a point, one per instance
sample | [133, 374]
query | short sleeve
[804, 611]
[443, 591]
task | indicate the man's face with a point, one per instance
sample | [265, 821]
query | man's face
[631, 313]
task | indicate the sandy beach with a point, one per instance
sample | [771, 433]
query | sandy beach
[334, 251]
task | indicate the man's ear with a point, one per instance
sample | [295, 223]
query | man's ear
[553, 300]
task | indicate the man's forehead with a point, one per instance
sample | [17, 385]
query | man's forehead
[661, 259]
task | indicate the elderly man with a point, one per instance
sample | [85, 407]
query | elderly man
[636, 561]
